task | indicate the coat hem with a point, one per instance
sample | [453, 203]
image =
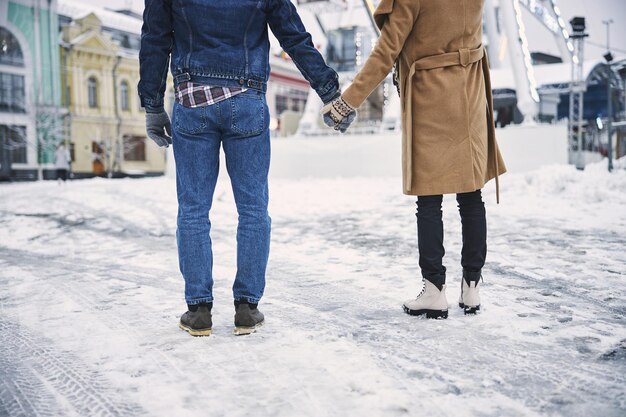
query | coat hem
[452, 189]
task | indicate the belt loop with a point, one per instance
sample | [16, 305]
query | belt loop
[464, 57]
[185, 76]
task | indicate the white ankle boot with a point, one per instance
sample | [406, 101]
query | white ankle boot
[430, 301]
[470, 297]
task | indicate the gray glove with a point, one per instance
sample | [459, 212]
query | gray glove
[338, 114]
[159, 128]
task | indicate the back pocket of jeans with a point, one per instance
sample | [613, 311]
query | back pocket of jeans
[189, 120]
[249, 116]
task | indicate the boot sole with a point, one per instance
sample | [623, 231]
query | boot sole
[469, 310]
[244, 330]
[195, 332]
[430, 314]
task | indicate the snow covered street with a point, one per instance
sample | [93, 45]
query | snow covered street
[90, 297]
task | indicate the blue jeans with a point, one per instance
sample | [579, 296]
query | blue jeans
[241, 125]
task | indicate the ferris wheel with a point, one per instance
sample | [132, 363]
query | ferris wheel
[513, 42]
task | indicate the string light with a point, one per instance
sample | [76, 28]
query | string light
[555, 25]
[538, 10]
[561, 22]
[530, 74]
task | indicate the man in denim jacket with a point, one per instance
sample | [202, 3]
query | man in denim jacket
[220, 63]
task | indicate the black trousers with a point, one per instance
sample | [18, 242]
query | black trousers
[430, 236]
[62, 174]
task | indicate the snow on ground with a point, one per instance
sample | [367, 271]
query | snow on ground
[90, 297]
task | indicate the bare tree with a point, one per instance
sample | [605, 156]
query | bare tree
[50, 131]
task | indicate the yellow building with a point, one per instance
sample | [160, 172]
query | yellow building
[100, 72]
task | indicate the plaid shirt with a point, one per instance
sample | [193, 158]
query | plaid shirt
[195, 95]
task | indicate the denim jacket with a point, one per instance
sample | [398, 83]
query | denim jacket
[223, 43]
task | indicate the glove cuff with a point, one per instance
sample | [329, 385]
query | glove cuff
[153, 109]
[342, 107]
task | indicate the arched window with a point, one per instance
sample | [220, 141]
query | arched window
[92, 91]
[124, 96]
[10, 51]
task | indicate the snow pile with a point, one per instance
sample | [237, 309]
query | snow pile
[593, 185]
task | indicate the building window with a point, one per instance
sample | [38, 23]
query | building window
[12, 93]
[298, 104]
[124, 96]
[134, 148]
[10, 51]
[92, 91]
[281, 104]
[68, 96]
[13, 140]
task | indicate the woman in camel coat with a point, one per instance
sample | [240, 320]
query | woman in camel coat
[448, 143]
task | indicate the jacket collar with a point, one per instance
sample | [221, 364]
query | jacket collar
[380, 14]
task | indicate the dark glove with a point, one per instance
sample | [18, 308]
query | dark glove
[159, 128]
[338, 114]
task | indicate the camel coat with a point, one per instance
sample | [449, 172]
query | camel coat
[449, 143]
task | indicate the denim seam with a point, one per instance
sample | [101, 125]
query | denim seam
[164, 76]
[295, 28]
[188, 57]
[245, 42]
[154, 103]
[218, 109]
[216, 79]
[250, 300]
[199, 301]
[329, 85]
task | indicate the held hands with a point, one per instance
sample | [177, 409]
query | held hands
[159, 128]
[338, 114]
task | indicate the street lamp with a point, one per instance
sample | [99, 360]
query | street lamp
[578, 25]
[608, 57]
[577, 89]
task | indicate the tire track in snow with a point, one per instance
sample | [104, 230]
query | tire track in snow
[146, 276]
[38, 380]
[129, 323]
[91, 294]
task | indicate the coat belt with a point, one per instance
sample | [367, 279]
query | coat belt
[462, 57]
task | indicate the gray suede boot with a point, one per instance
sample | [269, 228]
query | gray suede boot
[197, 320]
[248, 318]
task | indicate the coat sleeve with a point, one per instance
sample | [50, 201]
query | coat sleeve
[397, 18]
[156, 45]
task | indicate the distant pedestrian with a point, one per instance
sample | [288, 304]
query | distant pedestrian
[62, 161]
